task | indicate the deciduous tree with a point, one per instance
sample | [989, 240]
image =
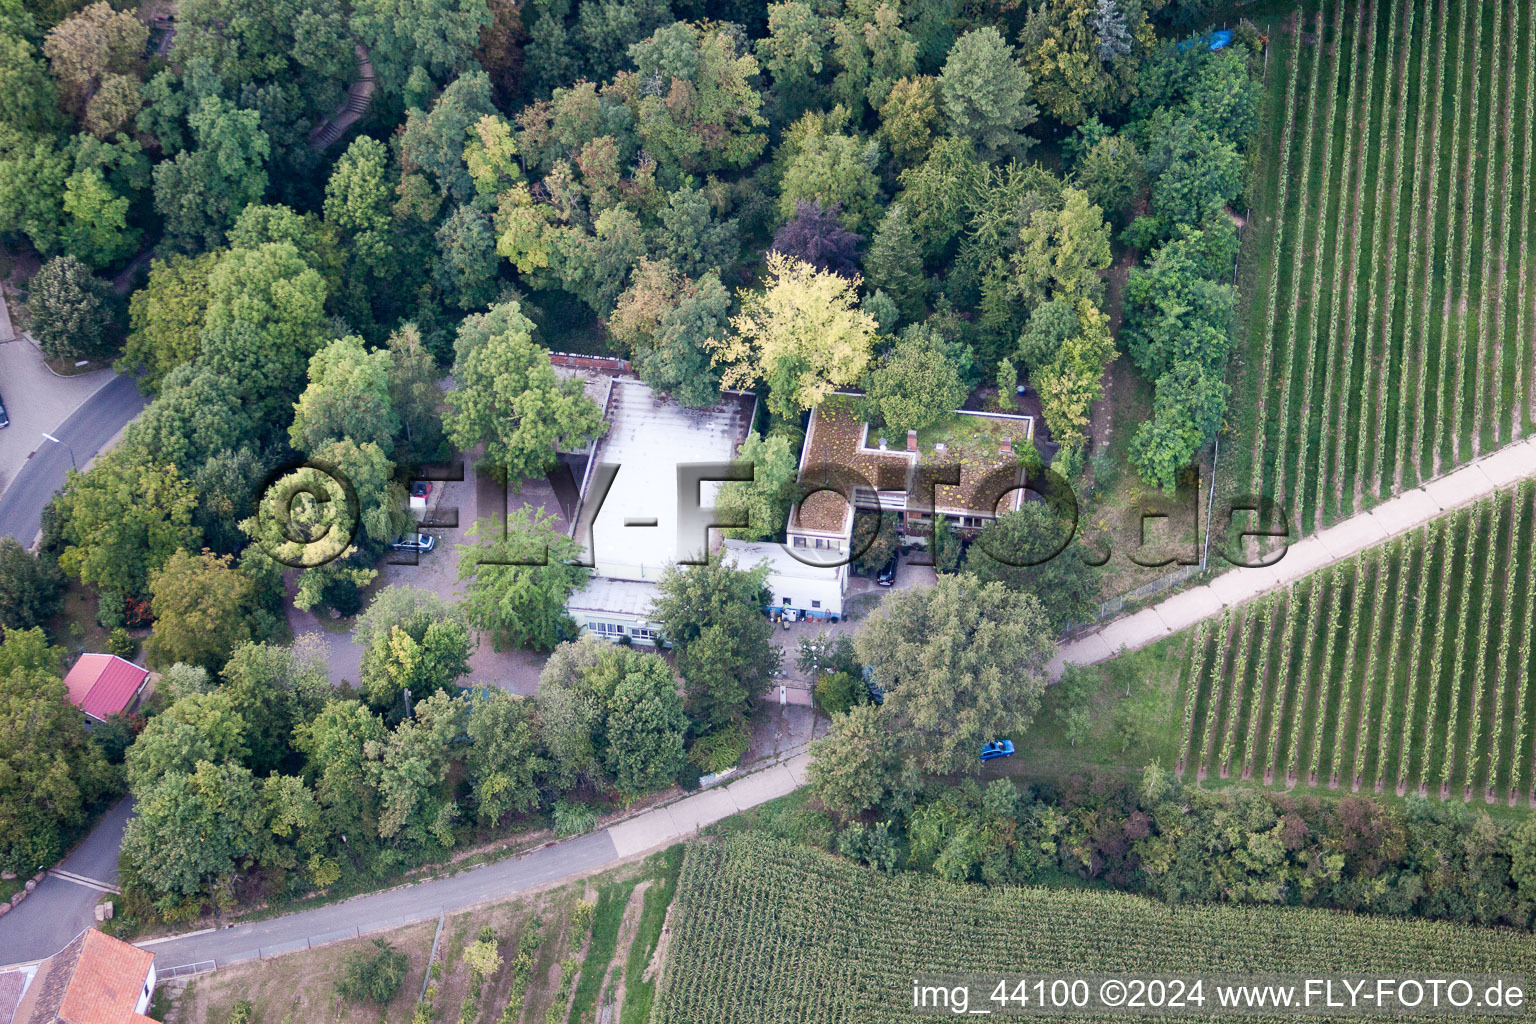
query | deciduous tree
[804, 335]
[97, 55]
[914, 384]
[51, 775]
[814, 235]
[1072, 382]
[203, 190]
[265, 318]
[834, 170]
[517, 583]
[200, 727]
[910, 118]
[1028, 550]
[411, 639]
[694, 97]
[31, 586]
[961, 663]
[347, 397]
[192, 834]
[73, 312]
[509, 399]
[762, 502]
[123, 520]
[202, 608]
[503, 764]
[438, 36]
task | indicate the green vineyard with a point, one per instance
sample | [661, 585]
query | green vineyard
[1390, 327]
[1404, 669]
[765, 933]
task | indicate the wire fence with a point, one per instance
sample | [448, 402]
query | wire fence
[1115, 605]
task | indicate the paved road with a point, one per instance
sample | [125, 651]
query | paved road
[656, 828]
[390, 909]
[1498, 470]
[36, 400]
[56, 912]
[85, 430]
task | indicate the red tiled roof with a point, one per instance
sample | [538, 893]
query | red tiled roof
[108, 981]
[96, 979]
[103, 685]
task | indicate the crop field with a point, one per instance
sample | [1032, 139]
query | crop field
[578, 954]
[768, 933]
[1404, 669]
[1390, 317]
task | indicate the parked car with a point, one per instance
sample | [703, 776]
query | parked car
[420, 488]
[5, 420]
[422, 542]
[886, 577]
[997, 748]
[875, 690]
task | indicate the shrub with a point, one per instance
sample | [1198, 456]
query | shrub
[241, 1014]
[573, 819]
[721, 749]
[838, 692]
[122, 643]
[374, 976]
[581, 917]
[482, 957]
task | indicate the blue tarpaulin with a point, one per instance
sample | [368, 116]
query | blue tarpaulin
[1214, 41]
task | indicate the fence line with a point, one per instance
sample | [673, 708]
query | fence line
[1181, 575]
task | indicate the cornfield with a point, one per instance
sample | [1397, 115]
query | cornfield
[768, 933]
[1405, 667]
[1391, 290]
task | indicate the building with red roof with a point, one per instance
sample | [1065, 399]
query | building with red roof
[96, 979]
[103, 685]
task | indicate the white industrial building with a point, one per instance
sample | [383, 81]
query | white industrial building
[812, 591]
[644, 520]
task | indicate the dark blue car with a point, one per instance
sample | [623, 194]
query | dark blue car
[997, 748]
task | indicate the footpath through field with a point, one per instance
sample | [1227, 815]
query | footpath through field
[1496, 471]
[557, 862]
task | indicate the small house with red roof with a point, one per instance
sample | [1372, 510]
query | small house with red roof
[95, 979]
[103, 685]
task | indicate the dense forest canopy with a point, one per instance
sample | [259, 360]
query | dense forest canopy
[291, 221]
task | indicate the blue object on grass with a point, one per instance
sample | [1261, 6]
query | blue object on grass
[996, 749]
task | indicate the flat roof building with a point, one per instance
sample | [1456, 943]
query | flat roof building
[911, 475]
[632, 512]
[814, 591]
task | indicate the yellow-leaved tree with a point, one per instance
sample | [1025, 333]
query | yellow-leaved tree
[804, 334]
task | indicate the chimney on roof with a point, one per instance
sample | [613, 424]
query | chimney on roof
[1007, 448]
[911, 440]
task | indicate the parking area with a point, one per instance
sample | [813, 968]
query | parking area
[516, 671]
[36, 401]
[863, 596]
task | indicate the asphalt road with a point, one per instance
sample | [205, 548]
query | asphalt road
[58, 910]
[390, 909]
[86, 430]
